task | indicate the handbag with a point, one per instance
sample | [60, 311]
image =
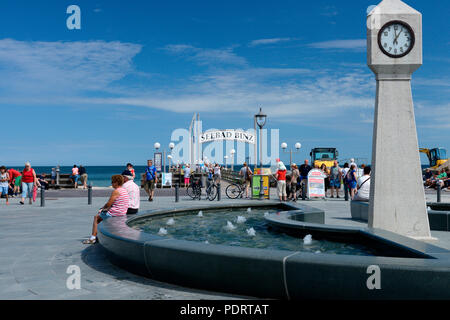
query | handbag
[34, 193]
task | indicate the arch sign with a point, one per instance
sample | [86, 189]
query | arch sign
[229, 134]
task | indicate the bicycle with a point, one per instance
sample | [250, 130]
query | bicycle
[195, 190]
[235, 190]
[211, 191]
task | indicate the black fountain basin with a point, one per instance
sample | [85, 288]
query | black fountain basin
[409, 269]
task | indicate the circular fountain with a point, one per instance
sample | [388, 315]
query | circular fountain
[274, 250]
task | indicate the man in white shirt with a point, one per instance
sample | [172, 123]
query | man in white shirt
[133, 192]
[363, 186]
[352, 161]
[217, 173]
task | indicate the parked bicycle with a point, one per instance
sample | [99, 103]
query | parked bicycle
[212, 190]
[235, 190]
[195, 189]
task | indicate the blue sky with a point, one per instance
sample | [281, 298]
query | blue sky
[139, 69]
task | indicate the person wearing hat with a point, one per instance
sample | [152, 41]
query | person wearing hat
[294, 181]
[133, 192]
[281, 181]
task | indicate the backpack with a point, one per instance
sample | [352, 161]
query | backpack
[348, 177]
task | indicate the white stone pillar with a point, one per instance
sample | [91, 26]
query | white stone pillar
[394, 52]
[397, 196]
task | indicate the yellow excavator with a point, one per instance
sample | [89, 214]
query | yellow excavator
[323, 155]
[436, 156]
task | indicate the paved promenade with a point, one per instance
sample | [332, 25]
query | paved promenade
[38, 244]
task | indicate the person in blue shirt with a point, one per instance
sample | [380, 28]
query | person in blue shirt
[151, 179]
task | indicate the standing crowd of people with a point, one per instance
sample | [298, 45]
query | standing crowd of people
[334, 177]
[23, 183]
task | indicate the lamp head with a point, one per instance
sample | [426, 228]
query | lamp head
[260, 118]
[157, 145]
[298, 145]
[284, 145]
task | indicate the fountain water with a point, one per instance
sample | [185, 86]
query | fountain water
[251, 232]
[229, 226]
[307, 240]
[162, 231]
[241, 219]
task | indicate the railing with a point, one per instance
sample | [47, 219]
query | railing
[177, 179]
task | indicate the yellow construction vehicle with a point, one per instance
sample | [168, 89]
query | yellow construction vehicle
[436, 156]
[323, 155]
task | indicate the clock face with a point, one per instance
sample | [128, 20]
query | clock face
[396, 39]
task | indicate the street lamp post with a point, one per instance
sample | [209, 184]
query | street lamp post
[171, 146]
[157, 146]
[260, 119]
[232, 152]
[297, 147]
[170, 160]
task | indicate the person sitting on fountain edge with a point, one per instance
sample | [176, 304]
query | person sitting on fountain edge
[117, 206]
[133, 192]
[363, 186]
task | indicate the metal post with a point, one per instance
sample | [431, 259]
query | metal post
[304, 191]
[42, 196]
[256, 151]
[346, 191]
[177, 197]
[438, 194]
[57, 175]
[218, 192]
[89, 193]
[261, 187]
[164, 160]
[290, 160]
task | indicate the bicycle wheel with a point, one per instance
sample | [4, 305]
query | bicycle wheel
[191, 192]
[233, 191]
[198, 192]
[212, 192]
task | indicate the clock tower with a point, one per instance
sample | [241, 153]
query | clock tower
[394, 52]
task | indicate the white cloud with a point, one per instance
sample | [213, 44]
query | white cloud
[85, 74]
[330, 11]
[267, 41]
[309, 95]
[206, 56]
[43, 68]
[340, 44]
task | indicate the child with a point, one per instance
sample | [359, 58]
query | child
[4, 183]
[131, 169]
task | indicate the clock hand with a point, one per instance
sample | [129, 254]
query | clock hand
[396, 37]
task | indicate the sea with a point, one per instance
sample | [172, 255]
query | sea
[100, 176]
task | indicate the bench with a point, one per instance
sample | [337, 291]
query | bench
[439, 219]
[359, 210]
